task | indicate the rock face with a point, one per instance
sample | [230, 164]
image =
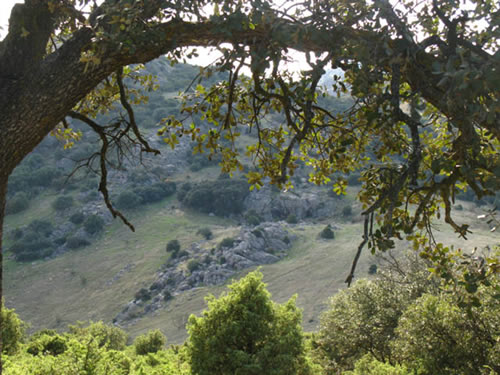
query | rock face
[275, 205]
[264, 244]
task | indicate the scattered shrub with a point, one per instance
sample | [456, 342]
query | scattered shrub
[77, 218]
[60, 241]
[180, 254]
[372, 270]
[94, 224]
[244, 332]
[18, 203]
[17, 233]
[143, 294]
[62, 203]
[226, 242]
[167, 296]
[327, 233]
[205, 232]
[173, 246]
[11, 330]
[193, 265]
[222, 197]
[128, 200]
[252, 218]
[257, 233]
[76, 242]
[41, 227]
[149, 343]
[347, 211]
[113, 338]
[47, 344]
[183, 190]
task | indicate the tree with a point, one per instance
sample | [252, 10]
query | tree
[151, 342]
[12, 330]
[244, 332]
[424, 78]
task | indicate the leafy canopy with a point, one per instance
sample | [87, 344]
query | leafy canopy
[424, 78]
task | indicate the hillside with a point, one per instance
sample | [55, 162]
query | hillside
[67, 260]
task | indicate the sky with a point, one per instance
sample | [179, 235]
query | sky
[204, 59]
[5, 7]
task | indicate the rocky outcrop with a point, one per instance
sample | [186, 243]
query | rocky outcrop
[199, 266]
[275, 205]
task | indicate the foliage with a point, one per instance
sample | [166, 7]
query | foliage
[128, 200]
[193, 265]
[75, 242]
[205, 232]
[63, 203]
[252, 217]
[113, 338]
[440, 337]
[327, 233]
[17, 203]
[41, 227]
[143, 294]
[34, 244]
[151, 342]
[244, 332]
[368, 365]
[406, 315]
[47, 344]
[77, 218]
[347, 211]
[12, 330]
[292, 219]
[173, 246]
[226, 242]
[94, 224]
[222, 197]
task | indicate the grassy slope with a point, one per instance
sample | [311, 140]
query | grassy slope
[76, 286]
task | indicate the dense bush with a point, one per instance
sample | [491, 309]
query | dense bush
[47, 344]
[151, 342]
[75, 242]
[143, 294]
[34, 243]
[42, 227]
[252, 217]
[17, 203]
[173, 246]
[368, 365]
[193, 265]
[222, 197]
[77, 218]
[404, 315]
[128, 200]
[226, 242]
[292, 219]
[327, 233]
[155, 192]
[93, 224]
[347, 211]
[205, 232]
[111, 337]
[244, 332]
[11, 330]
[62, 203]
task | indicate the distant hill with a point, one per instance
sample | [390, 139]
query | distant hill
[67, 260]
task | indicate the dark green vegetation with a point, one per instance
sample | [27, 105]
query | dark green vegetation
[406, 321]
